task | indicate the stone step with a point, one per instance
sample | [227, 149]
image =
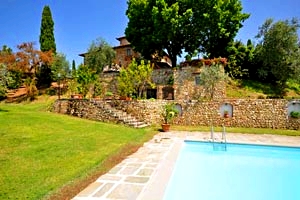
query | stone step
[120, 115]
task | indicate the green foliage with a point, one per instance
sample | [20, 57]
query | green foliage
[174, 26]
[295, 114]
[210, 77]
[240, 59]
[3, 81]
[86, 79]
[169, 112]
[278, 53]
[14, 79]
[47, 40]
[97, 89]
[135, 79]
[73, 72]
[60, 66]
[99, 55]
[32, 90]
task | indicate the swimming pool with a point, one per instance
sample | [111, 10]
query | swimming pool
[242, 172]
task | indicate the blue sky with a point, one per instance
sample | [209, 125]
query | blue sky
[78, 23]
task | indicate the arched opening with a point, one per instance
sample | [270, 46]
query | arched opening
[226, 110]
[168, 93]
[178, 107]
[293, 109]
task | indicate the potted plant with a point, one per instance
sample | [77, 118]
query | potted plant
[169, 112]
[226, 114]
[108, 95]
[295, 114]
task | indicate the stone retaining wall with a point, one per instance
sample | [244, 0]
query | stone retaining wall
[258, 113]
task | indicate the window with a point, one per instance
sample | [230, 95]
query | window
[128, 52]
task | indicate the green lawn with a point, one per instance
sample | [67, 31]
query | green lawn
[40, 152]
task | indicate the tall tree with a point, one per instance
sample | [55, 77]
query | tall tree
[47, 43]
[185, 25]
[99, 55]
[240, 58]
[278, 52]
[73, 69]
[47, 40]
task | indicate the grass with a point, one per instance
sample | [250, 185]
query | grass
[256, 89]
[44, 154]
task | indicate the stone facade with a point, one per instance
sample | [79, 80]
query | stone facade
[258, 113]
[171, 84]
[124, 53]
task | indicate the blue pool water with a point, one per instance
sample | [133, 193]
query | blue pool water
[243, 172]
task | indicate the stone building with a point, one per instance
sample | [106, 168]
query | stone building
[182, 83]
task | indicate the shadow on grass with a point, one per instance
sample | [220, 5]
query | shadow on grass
[3, 110]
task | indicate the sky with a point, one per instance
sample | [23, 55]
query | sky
[77, 23]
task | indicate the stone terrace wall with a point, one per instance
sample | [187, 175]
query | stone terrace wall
[259, 113]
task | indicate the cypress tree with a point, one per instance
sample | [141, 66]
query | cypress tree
[47, 40]
[47, 43]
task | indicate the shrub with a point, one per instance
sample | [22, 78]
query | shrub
[295, 114]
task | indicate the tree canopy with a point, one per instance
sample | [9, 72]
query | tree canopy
[47, 40]
[99, 55]
[278, 52]
[184, 25]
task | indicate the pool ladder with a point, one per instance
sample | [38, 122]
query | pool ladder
[219, 145]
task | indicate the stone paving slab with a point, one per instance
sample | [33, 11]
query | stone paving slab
[144, 175]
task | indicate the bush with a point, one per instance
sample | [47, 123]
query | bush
[295, 114]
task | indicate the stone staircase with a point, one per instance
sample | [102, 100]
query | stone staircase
[16, 95]
[120, 116]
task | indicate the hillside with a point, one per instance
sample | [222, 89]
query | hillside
[254, 89]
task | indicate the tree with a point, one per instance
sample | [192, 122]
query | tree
[135, 78]
[99, 55]
[240, 58]
[3, 80]
[60, 66]
[47, 40]
[210, 77]
[86, 79]
[278, 51]
[47, 43]
[216, 25]
[186, 25]
[73, 72]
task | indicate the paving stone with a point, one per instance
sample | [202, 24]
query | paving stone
[137, 165]
[136, 179]
[108, 177]
[151, 165]
[103, 190]
[126, 191]
[90, 189]
[115, 170]
[145, 172]
[128, 170]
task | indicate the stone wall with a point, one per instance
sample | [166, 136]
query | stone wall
[258, 113]
[182, 81]
[185, 87]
